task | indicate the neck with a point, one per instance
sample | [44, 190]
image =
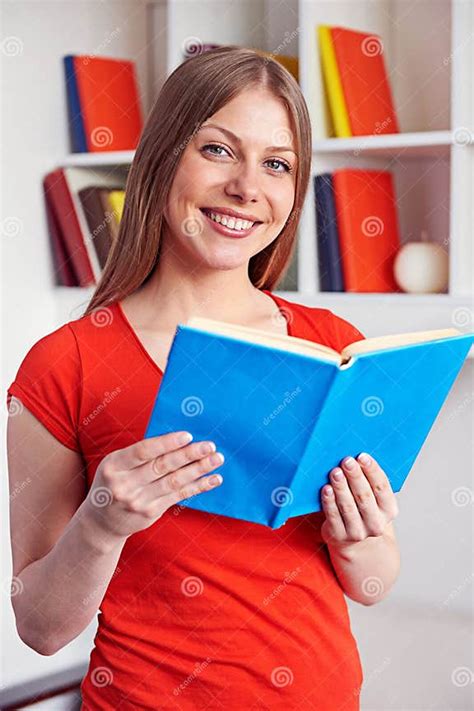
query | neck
[180, 292]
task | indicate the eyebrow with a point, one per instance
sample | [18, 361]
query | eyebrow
[239, 141]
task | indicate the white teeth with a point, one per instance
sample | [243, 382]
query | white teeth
[231, 222]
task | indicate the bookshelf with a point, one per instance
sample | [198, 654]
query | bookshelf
[432, 158]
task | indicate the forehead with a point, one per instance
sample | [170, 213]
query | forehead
[255, 116]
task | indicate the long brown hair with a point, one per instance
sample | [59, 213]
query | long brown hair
[192, 93]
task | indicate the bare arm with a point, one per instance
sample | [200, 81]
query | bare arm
[65, 547]
[61, 569]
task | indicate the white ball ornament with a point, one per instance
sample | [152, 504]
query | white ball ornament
[421, 268]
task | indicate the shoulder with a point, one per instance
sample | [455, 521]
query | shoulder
[323, 325]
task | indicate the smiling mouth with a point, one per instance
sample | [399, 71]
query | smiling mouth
[228, 225]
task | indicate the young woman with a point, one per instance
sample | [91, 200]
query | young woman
[197, 611]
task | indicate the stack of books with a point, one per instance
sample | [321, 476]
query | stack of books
[357, 230]
[83, 209]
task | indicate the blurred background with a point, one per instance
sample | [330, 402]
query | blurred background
[390, 91]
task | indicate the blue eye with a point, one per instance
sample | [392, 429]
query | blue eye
[287, 168]
[213, 145]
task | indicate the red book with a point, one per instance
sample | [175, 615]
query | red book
[63, 267]
[367, 225]
[366, 88]
[59, 195]
[109, 103]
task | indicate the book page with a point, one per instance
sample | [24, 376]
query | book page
[317, 350]
[258, 335]
[380, 343]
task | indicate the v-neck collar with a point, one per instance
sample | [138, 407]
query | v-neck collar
[281, 303]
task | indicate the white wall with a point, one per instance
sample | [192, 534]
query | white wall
[34, 141]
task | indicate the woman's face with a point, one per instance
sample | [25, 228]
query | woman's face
[243, 159]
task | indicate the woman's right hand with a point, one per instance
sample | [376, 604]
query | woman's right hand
[134, 486]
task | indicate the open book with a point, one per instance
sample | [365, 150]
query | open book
[284, 410]
[302, 345]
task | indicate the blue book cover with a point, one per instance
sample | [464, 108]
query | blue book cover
[76, 124]
[284, 413]
[329, 257]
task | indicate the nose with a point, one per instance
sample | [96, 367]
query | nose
[244, 183]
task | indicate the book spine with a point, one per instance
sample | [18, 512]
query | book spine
[302, 493]
[76, 124]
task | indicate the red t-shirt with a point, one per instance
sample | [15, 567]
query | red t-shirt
[203, 611]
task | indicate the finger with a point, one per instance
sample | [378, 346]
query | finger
[145, 450]
[160, 467]
[364, 497]
[178, 485]
[176, 482]
[379, 483]
[347, 506]
[335, 529]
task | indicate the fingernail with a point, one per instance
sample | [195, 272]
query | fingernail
[364, 458]
[349, 462]
[185, 438]
[337, 474]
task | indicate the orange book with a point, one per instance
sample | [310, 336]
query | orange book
[365, 84]
[109, 103]
[367, 225]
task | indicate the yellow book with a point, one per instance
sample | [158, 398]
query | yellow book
[116, 202]
[290, 63]
[332, 83]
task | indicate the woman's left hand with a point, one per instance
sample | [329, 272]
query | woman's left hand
[358, 503]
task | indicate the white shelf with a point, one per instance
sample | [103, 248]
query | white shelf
[103, 158]
[415, 144]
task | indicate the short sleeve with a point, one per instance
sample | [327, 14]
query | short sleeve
[344, 332]
[49, 382]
